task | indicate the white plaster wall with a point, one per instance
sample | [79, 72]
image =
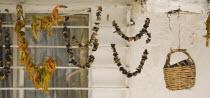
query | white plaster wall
[150, 83]
[166, 5]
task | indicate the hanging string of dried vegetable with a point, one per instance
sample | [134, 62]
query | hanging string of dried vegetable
[124, 70]
[137, 36]
[98, 13]
[46, 22]
[1, 46]
[70, 49]
[93, 40]
[39, 74]
[4, 73]
[92, 43]
[207, 36]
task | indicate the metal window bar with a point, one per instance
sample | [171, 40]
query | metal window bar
[16, 46]
[60, 88]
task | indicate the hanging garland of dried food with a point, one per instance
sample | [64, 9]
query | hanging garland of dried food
[1, 46]
[39, 74]
[93, 40]
[70, 49]
[4, 73]
[207, 36]
[137, 36]
[98, 13]
[122, 69]
[92, 43]
[46, 22]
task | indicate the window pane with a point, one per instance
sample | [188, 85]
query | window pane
[8, 18]
[77, 20]
[9, 82]
[58, 54]
[66, 78]
[57, 94]
[11, 31]
[38, 94]
[57, 39]
[6, 94]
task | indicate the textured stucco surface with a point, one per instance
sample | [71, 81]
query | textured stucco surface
[151, 84]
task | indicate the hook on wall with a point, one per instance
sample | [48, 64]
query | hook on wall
[172, 12]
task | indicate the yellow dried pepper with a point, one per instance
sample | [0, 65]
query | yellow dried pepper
[207, 36]
[56, 15]
[40, 75]
[48, 70]
[46, 22]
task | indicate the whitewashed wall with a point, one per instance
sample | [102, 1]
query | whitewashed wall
[151, 84]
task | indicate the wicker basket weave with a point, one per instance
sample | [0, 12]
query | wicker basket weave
[179, 77]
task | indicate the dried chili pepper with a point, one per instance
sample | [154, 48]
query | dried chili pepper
[56, 15]
[44, 23]
[40, 75]
[207, 36]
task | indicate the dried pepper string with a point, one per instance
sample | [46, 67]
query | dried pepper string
[207, 36]
[122, 69]
[39, 74]
[137, 36]
[56, 15]
[45, 22]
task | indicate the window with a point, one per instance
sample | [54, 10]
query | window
[102, 80]
[66, 76]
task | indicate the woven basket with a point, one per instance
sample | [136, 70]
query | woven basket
[179, 77]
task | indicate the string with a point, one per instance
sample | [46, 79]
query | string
[169, 19]
[179, 33]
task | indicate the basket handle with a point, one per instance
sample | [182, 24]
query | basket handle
[174, 51]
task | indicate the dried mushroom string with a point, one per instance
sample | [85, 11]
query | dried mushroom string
[122, 69]
[137, 36]
[92, 43]
[98, 13]
[93, 40]
[70, 49]
[45, 22]
[4, 73]
[1, 46]
[207, 36]
[39, 74]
